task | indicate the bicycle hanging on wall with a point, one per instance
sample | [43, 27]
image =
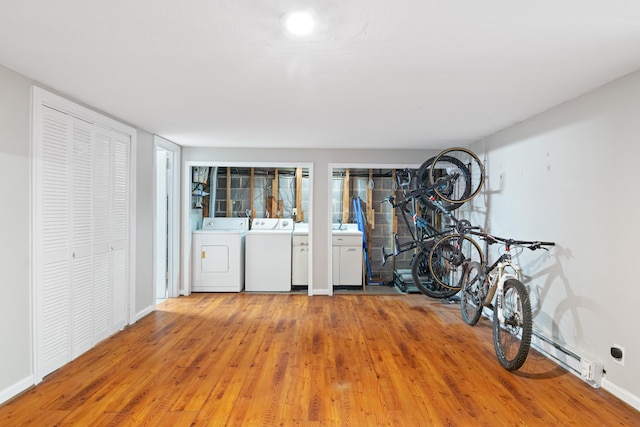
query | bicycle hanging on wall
[442, 184]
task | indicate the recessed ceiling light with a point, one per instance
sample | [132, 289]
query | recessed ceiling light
[299, 23]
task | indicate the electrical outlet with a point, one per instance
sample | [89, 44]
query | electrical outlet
[295, 211]
[617, 352]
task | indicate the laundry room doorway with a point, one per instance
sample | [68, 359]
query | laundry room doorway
[257, 190]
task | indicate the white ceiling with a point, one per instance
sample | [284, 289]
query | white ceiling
[378, 73]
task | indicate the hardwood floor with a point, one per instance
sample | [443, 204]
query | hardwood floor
[346, 360]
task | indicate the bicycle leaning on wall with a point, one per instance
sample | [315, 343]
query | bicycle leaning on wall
[482, 284]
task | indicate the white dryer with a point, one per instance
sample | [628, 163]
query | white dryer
[268, 255]
[218, 255]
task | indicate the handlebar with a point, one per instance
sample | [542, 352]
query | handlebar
[540, 245]
[533, 245]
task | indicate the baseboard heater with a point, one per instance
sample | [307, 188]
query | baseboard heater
[589, 371]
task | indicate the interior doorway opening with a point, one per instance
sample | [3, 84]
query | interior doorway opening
[357, 192]
[248, 190]
[162, 228]
[167, 228]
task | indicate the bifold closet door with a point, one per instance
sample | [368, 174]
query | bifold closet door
[102, 282]
[111, 165]
[81, 237]
[65, 294]
[82, 228]
[53, 223]
[120, 155]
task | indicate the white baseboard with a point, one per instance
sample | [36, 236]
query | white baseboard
[555, 353]
[15, 389]
[621, 394]
[146, 311]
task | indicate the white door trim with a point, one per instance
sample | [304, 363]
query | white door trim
[173, 215]
[186, 211]
[332, 167]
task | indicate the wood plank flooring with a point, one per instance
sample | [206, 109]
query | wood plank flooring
[347, 360]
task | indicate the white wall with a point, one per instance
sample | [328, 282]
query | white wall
[571, 175]
[16, 370]
[145, 212]
[15, 299]
[321, 160]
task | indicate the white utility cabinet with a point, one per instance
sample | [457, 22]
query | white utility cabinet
[300, 255]
[347, 257]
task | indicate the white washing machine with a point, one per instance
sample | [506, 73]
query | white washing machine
[268, 255]
[300, 255]
[218, 255]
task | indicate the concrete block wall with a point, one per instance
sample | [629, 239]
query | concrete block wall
[336, 200]
[382, 232]
[240, 189]
[382, 235]
[240, 196]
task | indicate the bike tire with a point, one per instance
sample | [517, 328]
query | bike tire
[423, 180]
[512, 338]
[424, 281]
[460, 161]
[449, 257]
[471, 294]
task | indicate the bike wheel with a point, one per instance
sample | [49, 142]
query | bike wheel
[422, 174]
[449, 258]
[423, 180]
[424, 281]
[472, 293]
[512, 337]
[460, 173]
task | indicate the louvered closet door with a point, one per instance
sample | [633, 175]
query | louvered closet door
[54, 223]
[121, 146]
[111, 231]
[81, 237]
[66, 224]
[102, 287]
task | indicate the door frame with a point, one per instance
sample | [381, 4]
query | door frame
[186, 211]
[351, 165]
[173, 216]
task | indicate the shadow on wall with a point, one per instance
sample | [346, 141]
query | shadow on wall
[569, 312]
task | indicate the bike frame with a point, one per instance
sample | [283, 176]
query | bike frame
[485, 285]
[493, 277]
[422, 233]
[427, 196]
[496, 281]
